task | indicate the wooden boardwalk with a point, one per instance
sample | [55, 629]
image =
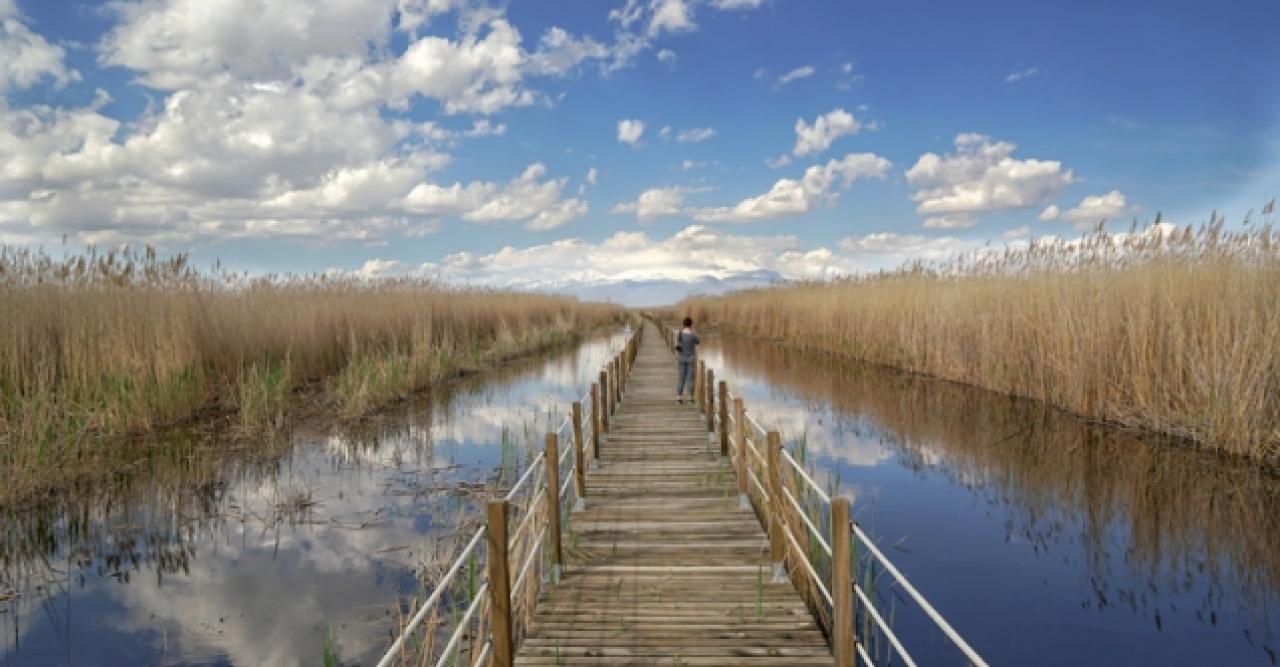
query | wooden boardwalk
[662, 567]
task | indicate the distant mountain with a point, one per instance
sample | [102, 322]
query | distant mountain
[666, 291]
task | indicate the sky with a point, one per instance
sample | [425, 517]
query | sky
[631, 150]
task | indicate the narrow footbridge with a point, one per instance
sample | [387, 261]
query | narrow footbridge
[653, 533]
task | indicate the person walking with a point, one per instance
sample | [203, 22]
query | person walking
[686, 359]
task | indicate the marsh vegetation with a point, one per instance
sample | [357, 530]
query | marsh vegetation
[96, 346]
[1165, 329]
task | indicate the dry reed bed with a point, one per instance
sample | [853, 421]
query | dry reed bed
[1176, 331]
[1181, 509]
[118, 343]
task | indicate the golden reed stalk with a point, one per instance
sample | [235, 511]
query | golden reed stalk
[1166, 329]
[120, 343]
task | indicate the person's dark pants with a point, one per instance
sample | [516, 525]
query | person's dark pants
[685, 371]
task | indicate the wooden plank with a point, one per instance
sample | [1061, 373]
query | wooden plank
[666, 566]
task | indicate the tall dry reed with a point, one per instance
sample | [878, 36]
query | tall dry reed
[104, 344]
[1174, 330]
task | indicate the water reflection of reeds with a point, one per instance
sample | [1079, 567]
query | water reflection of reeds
[386, 490]
[1174, 515]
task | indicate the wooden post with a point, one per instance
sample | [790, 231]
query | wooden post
[740, 428]
[699, 376]
[604, 403]
[777, 541]
[616, 393]
[499, 584]
[579, 461]
[711, 402]
[553, 503]
[724, 418]
[595, 422]
[842, 582]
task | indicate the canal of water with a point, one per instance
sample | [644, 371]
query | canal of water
[197, 558]
[1044, 539]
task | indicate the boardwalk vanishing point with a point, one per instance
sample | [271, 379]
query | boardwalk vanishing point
[668, 568]
[649, 532]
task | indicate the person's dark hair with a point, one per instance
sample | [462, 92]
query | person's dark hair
[688, 321]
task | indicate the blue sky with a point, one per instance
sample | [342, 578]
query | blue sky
[501, 143]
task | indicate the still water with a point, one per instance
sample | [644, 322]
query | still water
[219, 559]
[1043, 539]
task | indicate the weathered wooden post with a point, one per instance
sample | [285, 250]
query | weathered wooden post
[842, 582]
[724, 418]
[604, 403]
[579, 460]
[499, 583]
[740, 433]
[710, 384]
[553, 503]
[617, 385]
[699, 376]
[777, 541]
[595, 423]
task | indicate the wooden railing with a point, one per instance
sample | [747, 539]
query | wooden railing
[812, 541]
[796, 512]
[498, 606]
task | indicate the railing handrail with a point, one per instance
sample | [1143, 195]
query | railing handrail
[810, 528]
[587, 427]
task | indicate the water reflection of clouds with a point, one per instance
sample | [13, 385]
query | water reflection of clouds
[1122, 537]
[266, 574]
[824, 432]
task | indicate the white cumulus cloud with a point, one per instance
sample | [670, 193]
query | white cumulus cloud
[981, 175]
[787, 197]
[670, 16]
[659, 202]
[630, 130]
[26, 57]
[530, 197]
[1090, 211]
[816, 138]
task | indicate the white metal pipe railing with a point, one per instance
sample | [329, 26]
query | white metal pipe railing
[862, 653]
[463, 624]
[759, 487]
[804, 560]
[813, 530]
[532, 472]
[526, 520]
[484, 654]
[398, 645]
[933, 614]
[884, 627]
[812, 484]
[528, 561]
